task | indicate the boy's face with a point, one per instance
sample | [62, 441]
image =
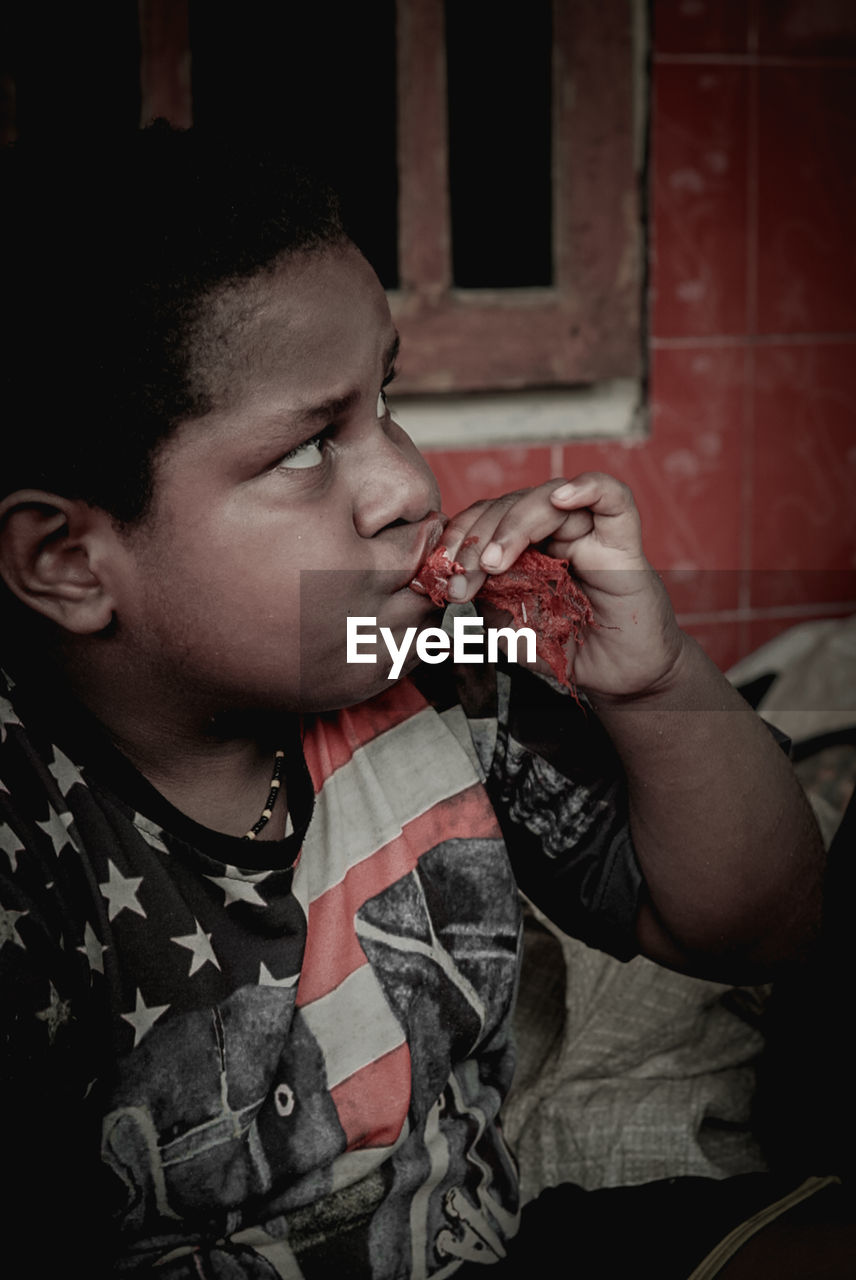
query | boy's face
[295, 503]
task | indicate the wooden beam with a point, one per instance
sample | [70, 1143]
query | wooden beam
[165, 62]
[424, 239]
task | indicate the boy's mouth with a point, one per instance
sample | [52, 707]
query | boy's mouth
[430, 534]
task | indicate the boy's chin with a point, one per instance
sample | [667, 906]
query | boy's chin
[356, 686]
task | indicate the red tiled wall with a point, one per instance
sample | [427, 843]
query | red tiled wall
[747, 485]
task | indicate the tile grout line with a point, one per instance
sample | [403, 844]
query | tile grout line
[747, 486]
[816, 610]
[753, 339]
[753, 25]
[807, 62]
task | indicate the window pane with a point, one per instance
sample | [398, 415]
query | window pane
[319, 79]
[500, 141]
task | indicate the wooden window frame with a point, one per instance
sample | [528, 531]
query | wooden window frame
[586, 330]
[586, 327]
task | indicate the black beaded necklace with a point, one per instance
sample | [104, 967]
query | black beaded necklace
[275, 784]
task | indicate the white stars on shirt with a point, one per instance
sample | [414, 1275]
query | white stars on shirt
[199, 943]
[56, 827]
[121, 892]
[9, 927]
[266, 978]
[64, 773]
[7, 715]
[9, 842]
[238, 888]
[93, 949]
[57, 1013]
[143, 1019]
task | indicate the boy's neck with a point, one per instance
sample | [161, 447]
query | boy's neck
[217, 771]
[225, 788]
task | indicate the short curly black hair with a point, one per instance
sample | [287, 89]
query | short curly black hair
[108, 253]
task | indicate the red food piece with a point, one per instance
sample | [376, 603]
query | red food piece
[537, 591]
[434, 573]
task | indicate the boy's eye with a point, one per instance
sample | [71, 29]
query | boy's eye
[382, 403]
[308, 454]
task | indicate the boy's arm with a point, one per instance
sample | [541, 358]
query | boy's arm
[726, 840]
[728, 845]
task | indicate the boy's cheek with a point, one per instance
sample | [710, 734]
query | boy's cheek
[359, 655]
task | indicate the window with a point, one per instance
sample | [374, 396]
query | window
[583, 324]
[489, 155]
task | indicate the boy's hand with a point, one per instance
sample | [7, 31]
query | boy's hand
[728, 847]
[591, 522]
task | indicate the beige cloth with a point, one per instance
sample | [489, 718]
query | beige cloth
[628, 1072]
[815, 687]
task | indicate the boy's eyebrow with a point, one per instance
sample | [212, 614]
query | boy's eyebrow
[341, 404]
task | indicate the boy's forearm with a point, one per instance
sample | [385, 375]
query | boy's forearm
[728, 845]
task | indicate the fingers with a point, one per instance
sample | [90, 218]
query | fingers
[610, 501]
[463, 537]
[460, 527]
[563, 516]
[489, 536]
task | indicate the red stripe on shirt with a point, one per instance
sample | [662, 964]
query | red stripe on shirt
[372, 1103]
[331, 741]
[332, 948]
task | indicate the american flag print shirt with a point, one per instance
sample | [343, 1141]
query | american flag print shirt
[287, 1059]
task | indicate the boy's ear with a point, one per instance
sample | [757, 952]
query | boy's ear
[52, 557]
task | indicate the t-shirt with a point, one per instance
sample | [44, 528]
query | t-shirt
[287, 1059]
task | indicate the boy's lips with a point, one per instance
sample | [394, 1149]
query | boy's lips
[430, 534]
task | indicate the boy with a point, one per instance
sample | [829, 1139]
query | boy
[260, 927]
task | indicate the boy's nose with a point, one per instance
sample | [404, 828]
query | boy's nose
[394, 484]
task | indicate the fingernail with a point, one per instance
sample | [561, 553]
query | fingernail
[565, 492]
[457, 587]
[492, 555]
